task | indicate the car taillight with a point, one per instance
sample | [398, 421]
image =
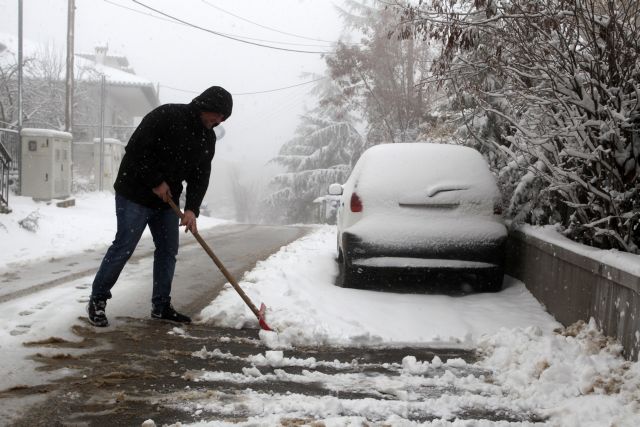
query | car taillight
[356, 203]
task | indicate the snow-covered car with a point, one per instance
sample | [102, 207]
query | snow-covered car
[420, 210]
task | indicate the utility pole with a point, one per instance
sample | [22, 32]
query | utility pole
[20, 83]
[103, 94]
[68, 112]
[19, 65]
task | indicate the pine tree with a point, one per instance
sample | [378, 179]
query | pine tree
[325, 145]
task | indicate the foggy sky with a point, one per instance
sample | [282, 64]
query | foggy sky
[181, 57]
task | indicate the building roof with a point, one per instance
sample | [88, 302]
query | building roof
[120, 62]
[113, 75]
[119, 75]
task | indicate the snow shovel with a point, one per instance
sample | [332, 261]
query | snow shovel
[259, 313]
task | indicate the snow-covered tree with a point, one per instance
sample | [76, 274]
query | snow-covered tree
[44, 89]
[322, 152]
[43, 96]
[378, 75]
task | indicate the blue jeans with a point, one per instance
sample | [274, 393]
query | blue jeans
[132, 220]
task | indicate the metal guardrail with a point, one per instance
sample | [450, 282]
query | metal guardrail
[9, 147]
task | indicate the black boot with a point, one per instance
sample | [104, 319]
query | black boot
[96, 311]
[167, 312]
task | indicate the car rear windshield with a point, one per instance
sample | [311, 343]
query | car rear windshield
[408, 171]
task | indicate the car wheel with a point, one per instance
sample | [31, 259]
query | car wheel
[346, 274]
[491, 282]
[340, 261]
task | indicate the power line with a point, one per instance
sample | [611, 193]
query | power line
[263, 26]
[225, 34]
[275, 111]
[281, 88]
[138, 11]
[249, 93]
[180, 90]
[221, 34]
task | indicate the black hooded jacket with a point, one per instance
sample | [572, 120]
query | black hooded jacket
[172, 145]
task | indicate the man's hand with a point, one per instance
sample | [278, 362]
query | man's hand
[189, 221]
[163, 191]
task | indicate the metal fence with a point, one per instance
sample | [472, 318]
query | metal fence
[5, 165]
[9, 163]
[9, 139]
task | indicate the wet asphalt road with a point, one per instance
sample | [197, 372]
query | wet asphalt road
[197, 280]
[143, 370]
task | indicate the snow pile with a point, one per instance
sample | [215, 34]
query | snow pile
[576, 374]
[308, 309]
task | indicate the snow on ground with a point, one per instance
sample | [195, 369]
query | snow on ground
[49, 230]
[297, 285]
[54, 232]
[575, 377]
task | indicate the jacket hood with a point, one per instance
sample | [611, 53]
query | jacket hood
[215, 99]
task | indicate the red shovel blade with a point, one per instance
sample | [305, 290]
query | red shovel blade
[261, 320]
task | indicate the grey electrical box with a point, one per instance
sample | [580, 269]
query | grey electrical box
[46, 164]
[112, 150]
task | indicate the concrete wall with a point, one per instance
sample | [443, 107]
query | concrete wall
[575, 287]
